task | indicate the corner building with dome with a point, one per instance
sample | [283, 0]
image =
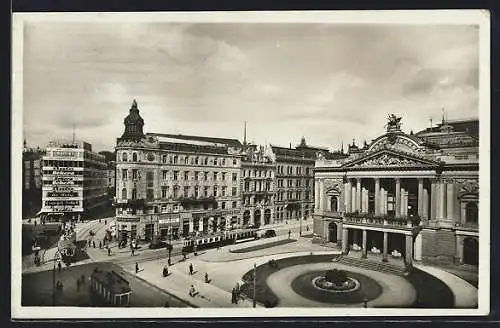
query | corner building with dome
[404, 196]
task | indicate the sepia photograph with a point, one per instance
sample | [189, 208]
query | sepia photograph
[250, 164]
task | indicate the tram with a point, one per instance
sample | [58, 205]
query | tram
[226, 238]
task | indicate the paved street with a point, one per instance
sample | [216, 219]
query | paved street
[37, 288]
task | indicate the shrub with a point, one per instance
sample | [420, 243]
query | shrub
[335, 276]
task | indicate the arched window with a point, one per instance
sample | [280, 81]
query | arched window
[124, 157]
[196, 160]
[134, 157]
[176, 159]
[186, 160]
[124, 193]
[164, 159]
[471, 212]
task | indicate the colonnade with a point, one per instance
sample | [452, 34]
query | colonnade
[436, 198]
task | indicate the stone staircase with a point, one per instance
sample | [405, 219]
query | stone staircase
[372, 265]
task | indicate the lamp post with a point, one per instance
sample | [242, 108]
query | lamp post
[56, 255]
[254, 284]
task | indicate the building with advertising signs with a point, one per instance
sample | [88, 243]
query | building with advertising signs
[411, 196]
[74, 181]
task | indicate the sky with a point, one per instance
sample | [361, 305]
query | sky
[329, 83]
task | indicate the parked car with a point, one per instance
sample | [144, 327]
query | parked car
[158, 244]
[270, 233]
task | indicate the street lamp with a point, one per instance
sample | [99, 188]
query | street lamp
[56, 256]
[254, 284]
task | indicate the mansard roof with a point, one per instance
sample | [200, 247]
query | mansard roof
[186, 139]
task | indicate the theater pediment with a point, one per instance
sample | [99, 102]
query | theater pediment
[387, 158]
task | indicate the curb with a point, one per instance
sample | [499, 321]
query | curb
[161, 289]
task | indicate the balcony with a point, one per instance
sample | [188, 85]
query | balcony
[386, 220]
[191, 201]
[471, 226]
[129, 203]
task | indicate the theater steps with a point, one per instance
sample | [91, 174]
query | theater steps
[372, 265]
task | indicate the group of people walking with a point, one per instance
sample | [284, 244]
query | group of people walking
[235, 294]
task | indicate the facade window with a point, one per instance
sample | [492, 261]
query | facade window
[289, 183]
[215, 191]
[176, 192]
[215, 175]
[164, 174]
[235, 176]
[223, 176]
[206, 176]
[223, 205]
[124, 174]
[308, 195]
[215, 161]
[176, 159]
[134, 193]
[176, 175]
[206, 161]
[471, 212]
[196, 192]
[150, 194]
[224, 189]
[134, 157]
[164, 192]
[186, 191]
[247, 186]
[298, 183]
[223, 162]
[205, 191]
[234, 204]
[307, 183]
[186, 160]
[196, 175]
[235, 162]
[124, 193]
[134, 174]
[124, 157]
[233, 193]
[150, 179]
[196, 160]
[164, 159]
[186, 175]
[268, 185]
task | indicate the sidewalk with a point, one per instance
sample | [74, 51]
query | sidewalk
[179, 282]
[28, 265]
[466, 295]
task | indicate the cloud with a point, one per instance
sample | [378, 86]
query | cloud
[326, 82]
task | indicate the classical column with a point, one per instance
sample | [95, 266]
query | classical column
[363, 200]
[353, 199]
[345, 241]
[381, 207]
[406, 203]
[347, 196]
[425, 201]
[450, 204]
[441, 201]
[420, 197]
[364, 245]
[402, 202]
[463, 213]
[385, 201]
[321, 195]
[384, 254]
[460, 249]
[191, 225]
[377, 196]
[316, 194]
[409, 250]
[434, 192]
[358, 194]
[398, 197]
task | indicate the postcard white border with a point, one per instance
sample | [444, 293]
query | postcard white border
[455, 17]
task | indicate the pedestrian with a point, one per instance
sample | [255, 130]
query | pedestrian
[307, 228]
[233, 296]
[105, 222]
[133, 252]
[93, 243]
[191, 269]
[109, 251]
[238, 291]
[192, 291]
[165, 271]
[59, 266]
[100, 244]
[289, 233]
[136, 267]
[206, 278]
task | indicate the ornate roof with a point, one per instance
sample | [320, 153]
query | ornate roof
[133, 124]
[390, 158]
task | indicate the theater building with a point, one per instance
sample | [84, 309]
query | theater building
[175, 185]
[405, 196]
[73, 181]
[258, 171]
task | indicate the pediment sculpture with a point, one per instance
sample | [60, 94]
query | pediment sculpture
[388, 160]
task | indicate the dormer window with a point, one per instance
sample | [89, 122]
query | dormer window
[124, 157]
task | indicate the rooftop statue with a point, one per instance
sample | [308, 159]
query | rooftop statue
[394, 123]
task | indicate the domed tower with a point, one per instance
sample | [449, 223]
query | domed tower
[133, 124]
